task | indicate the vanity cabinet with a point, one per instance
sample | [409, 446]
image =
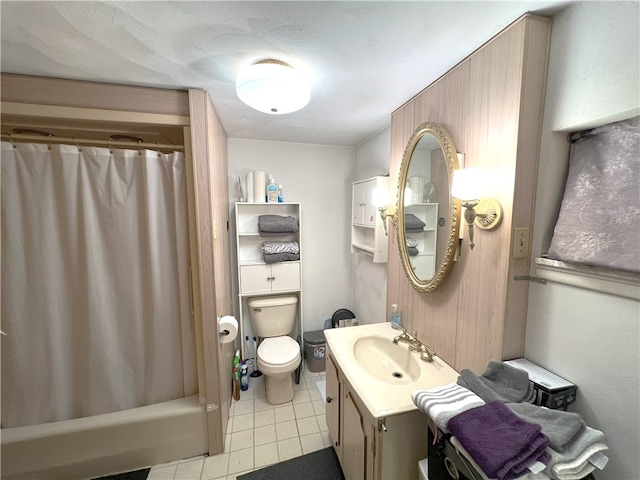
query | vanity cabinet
[255, 276]
[367, 227]
[367, 446]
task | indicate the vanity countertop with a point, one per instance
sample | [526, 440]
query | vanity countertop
[370, 362]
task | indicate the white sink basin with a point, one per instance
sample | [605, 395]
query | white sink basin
[386, 361]
[381, 373]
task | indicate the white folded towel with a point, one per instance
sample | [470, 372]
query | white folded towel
[445, 402]
[580, 457]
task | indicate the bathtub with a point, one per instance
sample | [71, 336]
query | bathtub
[105, 444]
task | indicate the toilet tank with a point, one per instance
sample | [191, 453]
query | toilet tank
[273, 316]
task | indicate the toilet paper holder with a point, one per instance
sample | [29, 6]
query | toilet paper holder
[227, 329]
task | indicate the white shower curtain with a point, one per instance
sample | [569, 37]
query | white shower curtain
[95, 287]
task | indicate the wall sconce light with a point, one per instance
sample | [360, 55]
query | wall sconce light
[381, 200]
[484, 213]
[272, 86]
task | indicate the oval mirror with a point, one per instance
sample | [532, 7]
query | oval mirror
[428, 217]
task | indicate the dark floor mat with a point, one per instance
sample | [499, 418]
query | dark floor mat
[320, 465]
[133, 475]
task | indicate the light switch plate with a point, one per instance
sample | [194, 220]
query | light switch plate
[521, 242]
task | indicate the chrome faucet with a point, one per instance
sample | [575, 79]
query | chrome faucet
[426, 354]
[415, 345]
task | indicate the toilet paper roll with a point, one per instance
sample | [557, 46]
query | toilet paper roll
[250, 196]
[227, 328]
[259, 190]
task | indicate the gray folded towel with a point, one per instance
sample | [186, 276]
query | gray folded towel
[412, 251]
[275, 234]
[411, 222]
[500, 381]
[559, 426]
[280, 257]
[277, 224]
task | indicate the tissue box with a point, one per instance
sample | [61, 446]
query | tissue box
[551, 390]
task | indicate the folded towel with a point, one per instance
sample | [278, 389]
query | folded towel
[558, 426]
[411, 242]
[280, 247]
[586, 463]
[445, 402]
[500, 442]
[280, 257]
[412, 251]
[500, 381]
[277, 224]
[411, 222]
[275, 234]
[414, 230]
[577, 453]
[462, 451]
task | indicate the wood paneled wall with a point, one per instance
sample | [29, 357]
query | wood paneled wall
[213, 298]
[491, 104]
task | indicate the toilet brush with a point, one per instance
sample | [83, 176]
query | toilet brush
[256, 372]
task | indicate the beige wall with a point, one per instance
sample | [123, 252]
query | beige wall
[370, 279]
[588, 337]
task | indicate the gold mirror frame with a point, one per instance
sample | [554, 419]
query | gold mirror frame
[451, 159]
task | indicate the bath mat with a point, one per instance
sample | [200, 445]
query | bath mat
[133, 475]
[319, 465]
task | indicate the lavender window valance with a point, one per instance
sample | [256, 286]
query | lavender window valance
[599, 221]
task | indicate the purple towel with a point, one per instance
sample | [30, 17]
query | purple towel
[501, 443]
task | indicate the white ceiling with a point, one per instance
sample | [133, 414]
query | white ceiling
[364, 59]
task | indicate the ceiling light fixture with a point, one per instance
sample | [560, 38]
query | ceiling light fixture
[272, 86]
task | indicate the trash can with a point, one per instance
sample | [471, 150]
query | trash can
[314, 347]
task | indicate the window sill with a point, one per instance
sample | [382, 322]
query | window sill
[613, 282]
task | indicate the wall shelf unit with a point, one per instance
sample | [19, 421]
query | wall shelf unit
[255, 276]
[367, 227]
[424, 262]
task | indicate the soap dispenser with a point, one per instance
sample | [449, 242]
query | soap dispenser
[396, 319]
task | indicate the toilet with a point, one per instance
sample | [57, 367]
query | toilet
[273, 319]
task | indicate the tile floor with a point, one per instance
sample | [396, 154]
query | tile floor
[260, 434]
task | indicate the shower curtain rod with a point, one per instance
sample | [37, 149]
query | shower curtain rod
[94, 142]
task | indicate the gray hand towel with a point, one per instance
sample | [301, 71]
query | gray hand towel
[411, 222]
[277, 224]
[500, 381]
[559, 426]
[280, 257]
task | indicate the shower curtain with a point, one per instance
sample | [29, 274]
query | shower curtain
[95, 282]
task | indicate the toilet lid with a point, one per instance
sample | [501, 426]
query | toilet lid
[278, 350]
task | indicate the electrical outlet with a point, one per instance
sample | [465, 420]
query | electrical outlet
[521, 242]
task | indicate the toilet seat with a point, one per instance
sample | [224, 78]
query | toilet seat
[278, 350]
